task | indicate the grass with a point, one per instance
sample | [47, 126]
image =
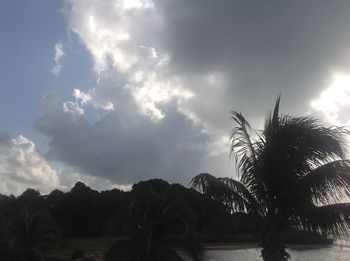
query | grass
[93, 247]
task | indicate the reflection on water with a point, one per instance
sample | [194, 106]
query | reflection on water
[331, 253]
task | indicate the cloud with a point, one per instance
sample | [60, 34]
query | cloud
[59, 53]
[125, 146]
[82, 99]
[69, 176]
[169, 72]
[334, 101]
[21, 166]
[112, 34]
[257, 50]
[261, 48]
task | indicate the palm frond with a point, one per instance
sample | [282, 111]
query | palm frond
[234, 196]
[243, 194]
[329, 183]
[240, 138]
[305, 142]
[293, 148]
[332, 220]
[243, 148]
[204, 183]
[275, 116]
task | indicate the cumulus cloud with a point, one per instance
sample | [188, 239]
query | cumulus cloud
[59, 53]
[21, 166]
[121, 38]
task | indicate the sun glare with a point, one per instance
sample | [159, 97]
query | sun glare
[335, 100]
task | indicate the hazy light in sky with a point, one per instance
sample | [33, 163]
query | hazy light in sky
[136, 4]
[335, 100]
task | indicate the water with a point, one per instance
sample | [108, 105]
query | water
[331, 253]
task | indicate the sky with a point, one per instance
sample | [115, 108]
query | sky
[117, 91]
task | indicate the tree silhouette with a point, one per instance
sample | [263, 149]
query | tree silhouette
[154, 228]
[292, 174]
[26, 229]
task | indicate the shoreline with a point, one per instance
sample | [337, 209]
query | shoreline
[239, 246]
[230, 246]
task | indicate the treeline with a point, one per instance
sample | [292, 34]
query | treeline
[83, 212]
[32, 223]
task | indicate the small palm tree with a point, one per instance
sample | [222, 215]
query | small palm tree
[154, 229]
[25, 233]
[292, 175]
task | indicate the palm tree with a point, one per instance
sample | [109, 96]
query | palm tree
[154, 229]
[292, 174]
[25, 233]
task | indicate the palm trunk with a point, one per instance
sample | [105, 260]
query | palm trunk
[273, 249]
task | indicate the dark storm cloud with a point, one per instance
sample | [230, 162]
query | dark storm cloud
[262, 47]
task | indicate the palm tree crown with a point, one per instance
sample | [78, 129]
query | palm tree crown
[293, 174]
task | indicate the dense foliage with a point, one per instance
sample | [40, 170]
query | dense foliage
[26, 227]
[170, 215]
[154, 227]
[154, 213]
